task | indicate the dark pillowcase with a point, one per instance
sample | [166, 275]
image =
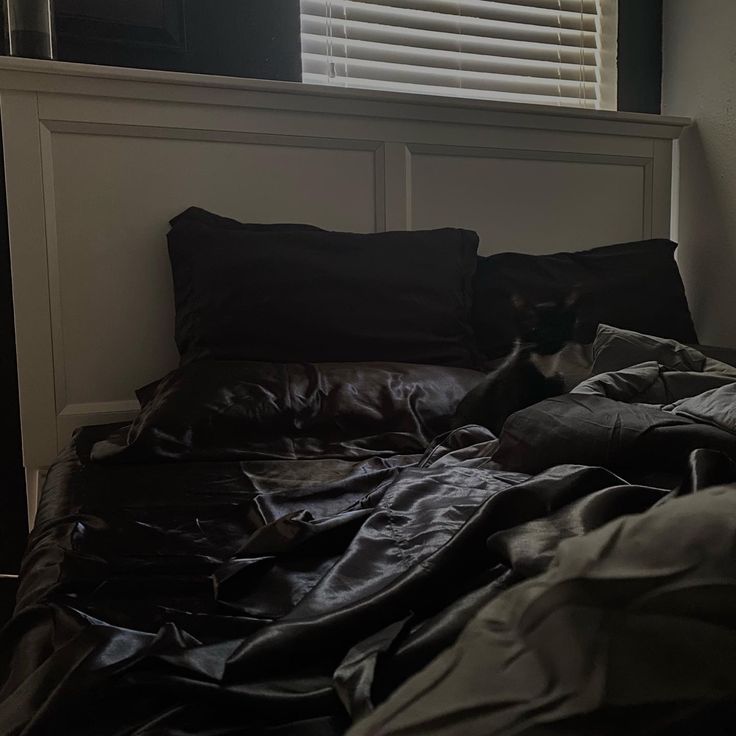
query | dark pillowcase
[634, 286]
[318, 296]
[197, 214]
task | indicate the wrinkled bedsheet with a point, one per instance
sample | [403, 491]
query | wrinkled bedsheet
[354, 581]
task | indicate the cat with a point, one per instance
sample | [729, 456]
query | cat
[531, 372]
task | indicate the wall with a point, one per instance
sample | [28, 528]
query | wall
[639, 55]
[241, 38]
[260, 38]
[12, 480]
[699, 80]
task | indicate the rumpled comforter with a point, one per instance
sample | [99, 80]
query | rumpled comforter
[295, 550]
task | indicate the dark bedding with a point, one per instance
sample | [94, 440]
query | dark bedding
[279, 550]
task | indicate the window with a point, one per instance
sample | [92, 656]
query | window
[550, 52]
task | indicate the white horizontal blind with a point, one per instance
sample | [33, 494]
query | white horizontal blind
[551, 52]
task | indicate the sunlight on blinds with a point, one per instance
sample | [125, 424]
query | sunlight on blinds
[551, 52]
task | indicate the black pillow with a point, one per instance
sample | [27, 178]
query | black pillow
[319, 296]
[197, 214]
[634, 286]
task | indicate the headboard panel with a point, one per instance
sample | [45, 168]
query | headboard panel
[97, 160]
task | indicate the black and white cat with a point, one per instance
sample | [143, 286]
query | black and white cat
[531, 373]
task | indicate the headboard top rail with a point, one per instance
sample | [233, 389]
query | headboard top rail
[88, 79]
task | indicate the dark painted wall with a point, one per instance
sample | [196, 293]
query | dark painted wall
[640, 55]
[12, 481]
[246, 38]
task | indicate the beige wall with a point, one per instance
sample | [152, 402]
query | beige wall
[699, 80]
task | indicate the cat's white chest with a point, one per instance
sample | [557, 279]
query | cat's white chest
[572, 363]
[547, 365]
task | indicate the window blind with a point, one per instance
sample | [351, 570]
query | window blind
[552, 52]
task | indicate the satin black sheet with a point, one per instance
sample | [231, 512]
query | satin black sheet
[211, 591]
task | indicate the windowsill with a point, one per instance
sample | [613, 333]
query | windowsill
[49, 76]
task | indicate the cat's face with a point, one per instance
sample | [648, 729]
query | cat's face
[548, 326]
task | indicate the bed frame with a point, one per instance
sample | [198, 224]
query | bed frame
[98, 159]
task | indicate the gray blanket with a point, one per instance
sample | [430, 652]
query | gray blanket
[631, 628]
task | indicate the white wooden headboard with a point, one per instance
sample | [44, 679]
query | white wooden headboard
[98, 159]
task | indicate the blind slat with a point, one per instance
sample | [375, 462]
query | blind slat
[548, 51]
[450, 41]
[353, 49]
[413, 74]
[447, 10]
[457, 23]
[509, 9]
[443, 91]
[588, 6]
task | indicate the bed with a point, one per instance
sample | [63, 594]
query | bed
[278, 533]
